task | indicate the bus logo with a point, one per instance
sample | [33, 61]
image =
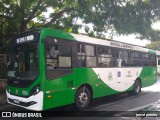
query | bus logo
[119, 73]
[129, 74]
[110, 77]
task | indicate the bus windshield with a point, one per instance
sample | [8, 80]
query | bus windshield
[23, 62]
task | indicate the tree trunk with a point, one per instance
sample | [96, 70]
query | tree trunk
[23, 27]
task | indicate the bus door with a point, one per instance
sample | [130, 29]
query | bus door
[59, 72]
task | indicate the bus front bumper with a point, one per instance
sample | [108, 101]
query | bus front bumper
[34, 102]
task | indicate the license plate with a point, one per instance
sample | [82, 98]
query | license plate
[16, 101]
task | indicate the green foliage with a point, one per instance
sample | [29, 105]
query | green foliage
[120, 16]
[154, 45]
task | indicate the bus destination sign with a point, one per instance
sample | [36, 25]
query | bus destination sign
[25, 39]
[120, 45]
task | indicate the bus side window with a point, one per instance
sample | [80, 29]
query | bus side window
[81, 58]
[51, 56]
[158, 62]
[58, 57]
[122, 58]
[105, 57]
[86, 56]
[90, 56]
[135, 59]
[152, 60]
[144, 57]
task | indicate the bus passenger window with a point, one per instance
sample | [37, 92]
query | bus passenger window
[135, 60]
[80, 49]
[58, 57]
[152, 59]
[122, 58]
[90, 56]
[144, 56]
[105, 57]
[81, 61]
[158, 62]
[86, 56]
[148, 59]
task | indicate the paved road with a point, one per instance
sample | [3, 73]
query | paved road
[149, 99]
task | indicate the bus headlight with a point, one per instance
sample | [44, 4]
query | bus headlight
[35, 90]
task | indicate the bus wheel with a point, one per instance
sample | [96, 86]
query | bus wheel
[83, 98]
[137, 87]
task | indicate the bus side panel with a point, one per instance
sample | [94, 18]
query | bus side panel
[116, 80]
[148, 76]
[87, 75]
[58, 91]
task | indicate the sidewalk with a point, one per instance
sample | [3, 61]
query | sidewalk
[3, 92]
[3, 98]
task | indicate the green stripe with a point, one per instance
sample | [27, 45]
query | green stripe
[148, 76]
[45, 32]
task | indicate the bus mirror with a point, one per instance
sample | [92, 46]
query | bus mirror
[52, 51]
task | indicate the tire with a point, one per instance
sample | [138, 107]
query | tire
[82, 98]
[137, 87]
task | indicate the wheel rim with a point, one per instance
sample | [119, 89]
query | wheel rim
[83, 98]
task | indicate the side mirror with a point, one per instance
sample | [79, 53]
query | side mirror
[52, 51]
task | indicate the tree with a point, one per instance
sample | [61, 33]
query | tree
[115, 16]
[154, 45]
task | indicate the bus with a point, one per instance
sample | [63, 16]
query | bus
[158, 62]
[48, 68]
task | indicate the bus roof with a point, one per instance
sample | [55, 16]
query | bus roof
[45, 32]
[91, 40]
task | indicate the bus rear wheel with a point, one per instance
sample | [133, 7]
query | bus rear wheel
[83, 98]
[137, 87]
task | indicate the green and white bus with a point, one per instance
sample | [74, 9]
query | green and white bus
[158, 62]
[48, 68]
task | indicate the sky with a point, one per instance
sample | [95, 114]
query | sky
[132, 38]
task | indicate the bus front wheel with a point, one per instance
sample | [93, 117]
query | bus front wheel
[83, 98]
[137, 87]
